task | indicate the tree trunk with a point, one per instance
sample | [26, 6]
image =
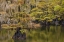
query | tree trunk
[0, 25]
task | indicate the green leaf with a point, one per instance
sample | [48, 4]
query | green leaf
[57, 8]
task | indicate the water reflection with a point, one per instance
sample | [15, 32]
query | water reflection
[54, 34]
[18, 36]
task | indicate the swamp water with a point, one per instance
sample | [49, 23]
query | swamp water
[55, 34]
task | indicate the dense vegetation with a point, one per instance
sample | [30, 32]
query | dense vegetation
[44, 10]
[25, 12]
[41, 20]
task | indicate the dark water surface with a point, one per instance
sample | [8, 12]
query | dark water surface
[54, 34]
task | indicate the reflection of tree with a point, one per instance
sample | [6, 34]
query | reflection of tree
[18, 36]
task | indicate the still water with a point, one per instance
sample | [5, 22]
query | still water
[54, 34]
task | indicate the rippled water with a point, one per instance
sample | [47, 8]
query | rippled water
[55, 34]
